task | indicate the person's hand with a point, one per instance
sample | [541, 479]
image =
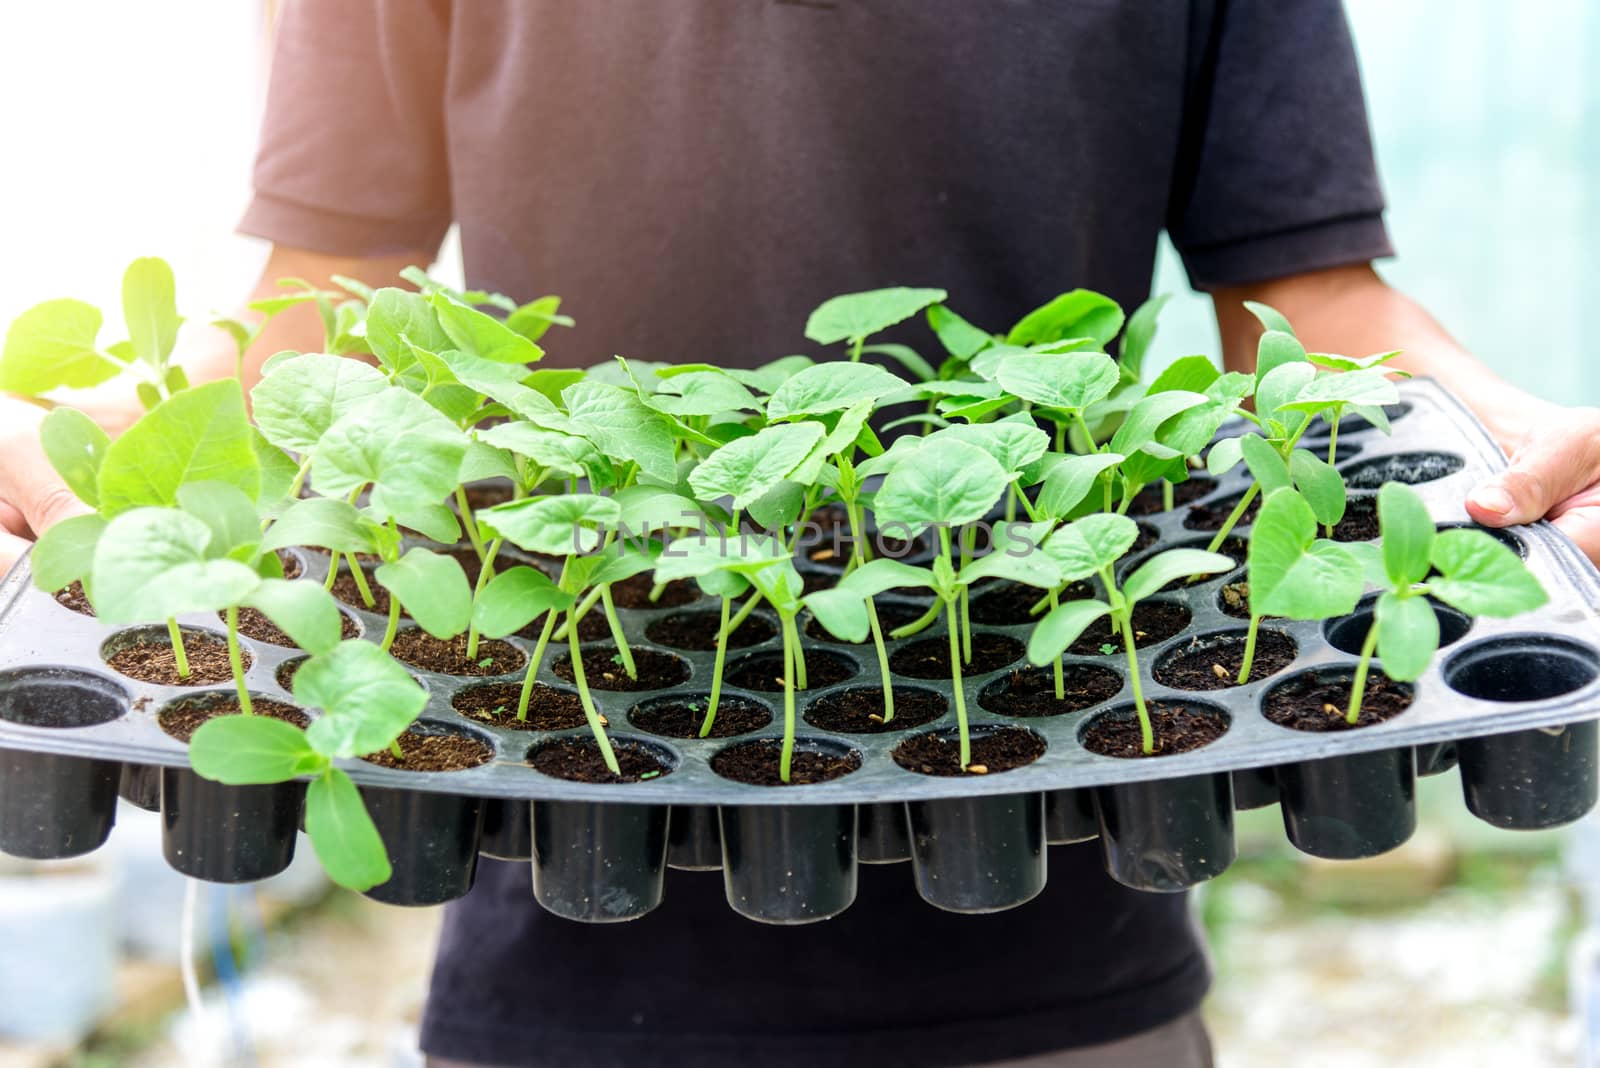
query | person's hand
[1554, 474]
[32, 497]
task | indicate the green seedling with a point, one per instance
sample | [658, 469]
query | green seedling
[1092, 546]
[1412, 562]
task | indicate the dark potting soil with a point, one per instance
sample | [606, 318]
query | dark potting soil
[422, 650]
[1314, 703]
[467, 557]
[890, 616]
[549, 709]
[1009, 604]
[1212, 516]
[814, 581]
[939, 752]
[763, 672]
[930, 658]
[1360, 522]
[579, 760]
[182, 718]
[291, 564]
[365, 558]
[152, 661]
[346, 590]
[1031, 691]
[1148, 500]
[1213, 663]
[602, 669]
[1234, 599]
[1177, 729]
[72, 596]
[698, 631]
[1148, 536]
[593, 627]
[635, 592]
[757, 763]
[830, 543]
[286, 672]
[1153, 622]
[434, 752]
[682, 717]
[860, 711]
[252, 624]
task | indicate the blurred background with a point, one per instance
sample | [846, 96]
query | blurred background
[1467, 946]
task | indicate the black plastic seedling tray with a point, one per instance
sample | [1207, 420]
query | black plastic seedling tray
[1512, 700]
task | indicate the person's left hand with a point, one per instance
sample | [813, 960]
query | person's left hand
[1554, 474]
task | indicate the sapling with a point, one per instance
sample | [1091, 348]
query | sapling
[1412, 562]
[368, 701]
[854, 317]
[1092, 546]
[1293, 573]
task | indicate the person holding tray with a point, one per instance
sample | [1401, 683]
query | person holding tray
[693, 178]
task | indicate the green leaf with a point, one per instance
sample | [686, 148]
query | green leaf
[323, 522]
[65, 552]
[1481, 576]
[396, 442]
[52, 345]
[515, 598]
[75, 446]
[694, 557]
[1408, 635]
[233, 519]
[1407, 534]
[1321, 484]
[1091, 544]
[559, 526]
[559, 454]
[1078, 313]
[343, 834]
[1193, 373]
[368, 698]
[303, 610]
[397, 315]
[433, 589]
[483, 335]
[906, 357]
[857, 315]
[960, 338]
[278, 471]
[1071, 381]
[1140, 333]
[1162, 568]
[1016, 557]
[747, 468]
[1350, 363]
[1266, 466]
[1276, 349]
[1014, 445]
[150, 308]
[951, 484]
[1138, 431]
[1070, 480]
[1269, 317]
[842, 610]
[303, 396]
[431, 521]
[1368, 388]
[152, 564]
[1293, 574]
[702, 393]
[1062, 626]
[1225, 454]
[532, 319]
[620, 425]
[830, 387]
[252, 751]
[199, 435]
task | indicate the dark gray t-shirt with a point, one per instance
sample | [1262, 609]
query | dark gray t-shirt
[693, 176]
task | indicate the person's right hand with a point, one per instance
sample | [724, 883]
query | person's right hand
[32, 496]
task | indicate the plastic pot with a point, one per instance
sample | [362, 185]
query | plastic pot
[140, 786]
[978, 854]
[507, 830]
[1436, 758]
[1347, 807]
[598, 862]
[228, 834]
[882, 837]
[1069, 817]
[432, 840]
[1168, 834]
[1534, 779]
[1254, 788]
[694, 838]
[789, 864]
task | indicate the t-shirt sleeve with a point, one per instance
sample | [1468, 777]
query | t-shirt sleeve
[1276, 172]
[352, 158]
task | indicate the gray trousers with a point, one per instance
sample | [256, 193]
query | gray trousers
[1183, 1043]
